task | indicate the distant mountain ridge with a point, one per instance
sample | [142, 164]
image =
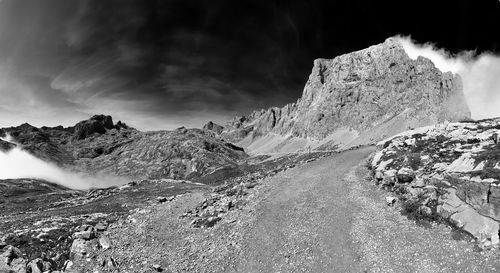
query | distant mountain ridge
[356, 98]
[98, 145]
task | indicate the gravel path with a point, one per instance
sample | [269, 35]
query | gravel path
[326, 217]
[305, 223]
[323, 216]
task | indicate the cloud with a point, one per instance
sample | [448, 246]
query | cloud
[480, 74]
[17, 164]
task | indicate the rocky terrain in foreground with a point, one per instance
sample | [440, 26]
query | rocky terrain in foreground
[47, 227]
[450, 171]
[357, 98]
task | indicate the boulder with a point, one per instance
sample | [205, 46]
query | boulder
[80, 248]
[213, 127]
[104, 242]
[389, 178]
[86, 234]
[405, 175]
[11, 260]
[101, 226]
[35, 266]
[97, 124]
[484, 229]
[390, 200]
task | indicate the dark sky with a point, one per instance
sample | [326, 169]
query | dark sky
[162, 64]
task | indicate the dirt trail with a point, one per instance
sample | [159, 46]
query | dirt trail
[305, 224]
[322, 216]
[325, 217]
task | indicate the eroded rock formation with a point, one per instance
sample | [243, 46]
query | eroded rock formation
[370, 94]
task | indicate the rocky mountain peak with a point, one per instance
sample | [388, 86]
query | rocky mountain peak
[365, 95]
[97, 124]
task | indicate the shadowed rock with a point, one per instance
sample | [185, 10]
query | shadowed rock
[213, 127]
[6, 146]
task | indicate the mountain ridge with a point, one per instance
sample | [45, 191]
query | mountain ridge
[351, 100]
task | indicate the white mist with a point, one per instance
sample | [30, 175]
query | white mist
[16, 164]
[480, 74]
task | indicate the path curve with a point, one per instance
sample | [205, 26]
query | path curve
[326, 216]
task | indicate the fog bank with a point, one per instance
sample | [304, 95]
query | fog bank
[17, 163]
[480, 72]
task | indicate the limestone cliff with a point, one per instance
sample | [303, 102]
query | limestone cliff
[358, 98]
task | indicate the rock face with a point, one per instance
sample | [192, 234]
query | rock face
[369, 94]
[213, 127]
[451, 170]
[98, 145]
[182, 153]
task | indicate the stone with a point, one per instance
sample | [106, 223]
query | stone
[425, 210]
[465, 217]
[101, 227]
[67, 265]
[80, 247]
[12, 260]
[104, 242]
[161, 199]
[111, 263]
[418, 183]
[36, 266]
[390, 200]
[405, 175]
[87, 234]
[157, 267]
[389, 178]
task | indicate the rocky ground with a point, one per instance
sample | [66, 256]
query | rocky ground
[446, 172]
[48, 226]
[316, 217]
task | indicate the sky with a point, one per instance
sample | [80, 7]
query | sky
[169, 63]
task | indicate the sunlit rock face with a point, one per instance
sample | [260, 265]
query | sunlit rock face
[454, 173]
[376, 87]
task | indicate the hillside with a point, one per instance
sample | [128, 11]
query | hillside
[98, 145]
[448, 171]
[357, 98]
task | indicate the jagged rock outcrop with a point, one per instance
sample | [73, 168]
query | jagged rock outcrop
[213, 127]
[365, 95]
[451, 170]
[97, 124]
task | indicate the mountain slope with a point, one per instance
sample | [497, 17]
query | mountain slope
[356, 98]
[98, 145]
